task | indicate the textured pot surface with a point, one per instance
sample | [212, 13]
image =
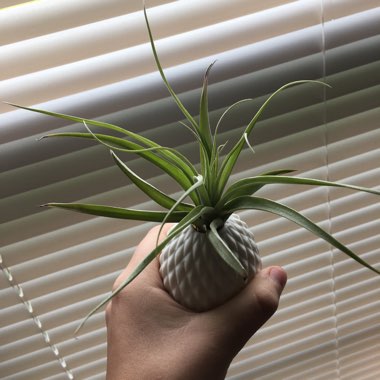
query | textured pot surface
[195, 275]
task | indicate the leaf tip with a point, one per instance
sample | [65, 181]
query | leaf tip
[209, 69]
[79, 327]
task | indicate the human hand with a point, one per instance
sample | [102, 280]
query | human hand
[151, 336]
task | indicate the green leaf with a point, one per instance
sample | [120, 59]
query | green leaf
[167, 84]
[140, 139]
[247, 186]
[204, 191]
[204, 122]
[215, 149]
[156, 148]
[153, 193]
[198, 183]
[257, 187]
[172, 170]
[171, 155]
[230, 160]
[252, 123]
[185, 222]
[224, 115]
[75, 119]
[246, 202]
[236, 190]
[227, 166]
[279, 172]
[119, 212]
[223, 249]
[205, 140]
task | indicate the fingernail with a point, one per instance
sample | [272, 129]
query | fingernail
[278, 275]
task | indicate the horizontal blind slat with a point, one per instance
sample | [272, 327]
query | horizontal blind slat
[329, 309]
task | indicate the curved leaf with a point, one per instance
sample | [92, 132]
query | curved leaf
[119, 212]
[153, 193]
[246, 190]
[197, 184]
[185, 222]
[245, 135]
[263, 204]
[75, 119]
[204, 122]
[170, 154]
[248, 186]
[172, 170]
[224, 115]
[230, 160]
[279, 172]
[223, 249]
[215, 154]
[161, 71]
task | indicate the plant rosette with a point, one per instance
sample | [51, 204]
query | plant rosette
[210, 254]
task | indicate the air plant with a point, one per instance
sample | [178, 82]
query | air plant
[210, 254]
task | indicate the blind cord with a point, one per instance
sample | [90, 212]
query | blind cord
[37, 321]
[328, 190]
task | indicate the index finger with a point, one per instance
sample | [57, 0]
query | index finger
[147, 244]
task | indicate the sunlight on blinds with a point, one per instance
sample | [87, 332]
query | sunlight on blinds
[92, 59]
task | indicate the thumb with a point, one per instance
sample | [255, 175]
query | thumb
[245, 313]
[263, 293]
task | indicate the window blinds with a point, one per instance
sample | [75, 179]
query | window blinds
[92, 59]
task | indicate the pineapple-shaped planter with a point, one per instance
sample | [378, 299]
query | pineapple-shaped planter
[209, 255]
[196, 276]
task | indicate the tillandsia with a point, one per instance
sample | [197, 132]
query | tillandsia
[209, 254]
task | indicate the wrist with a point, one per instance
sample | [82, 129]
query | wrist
[174, 363]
